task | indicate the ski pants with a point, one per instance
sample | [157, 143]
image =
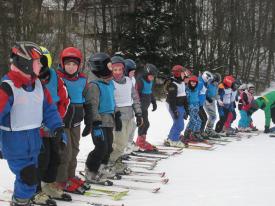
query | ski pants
[68, 156]
[146, 124]
[178, 124]
[211, 111]
[194, 123]
[121, 139]
[26, 173]
[48, 160]
[272, 111]
[245, 119]
[103, 149]
[132, 133]
[203, 117]
[223, 113]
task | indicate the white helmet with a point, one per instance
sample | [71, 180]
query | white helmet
[207, 76]
[250, 86]
[243, 87]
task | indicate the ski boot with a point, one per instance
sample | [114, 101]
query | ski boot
[196, 137]
[42, 199]
[253, 128]
[204, 135]
[55, 192]
[121, 168]
[80, 182]
[212, 133]
[144, 145]
[20, 202]
[108, 172]
[185, 139]
[132, 147]
[96, 178]
[170, 143]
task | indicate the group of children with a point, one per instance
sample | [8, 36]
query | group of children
[39, 101]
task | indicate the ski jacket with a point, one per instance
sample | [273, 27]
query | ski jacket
[126, 99]
[224, 95]
[22, 143]
[176, 94]
[245, 100]
[212, 92]
[80, 99]
[265, 103]
[193, 96]
[59, 94]
[145, 91]
[202, 87]
[103, 102]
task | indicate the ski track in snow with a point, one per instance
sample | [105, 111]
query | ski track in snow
[240, 173]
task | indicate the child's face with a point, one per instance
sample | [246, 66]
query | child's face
[132, 73]
[117, 72]
[36, 66]
[193, 84]
[150, 77]
[71, 67]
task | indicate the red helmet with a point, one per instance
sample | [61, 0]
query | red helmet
[193, 79]
[70, 52]
[177, 70]
[228, 81]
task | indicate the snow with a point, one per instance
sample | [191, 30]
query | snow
[240, 173]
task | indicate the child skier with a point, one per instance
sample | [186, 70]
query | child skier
[103, 107]
[210, 105]
[144, 87]
[49, 159]
[204, 80]
[192, 131]
[25, 104]
[130, 70]
[178, 106]
[127, 106]
[224, 103]
[79, 93]
[246, 98]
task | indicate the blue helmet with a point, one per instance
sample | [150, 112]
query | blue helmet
[129, 65]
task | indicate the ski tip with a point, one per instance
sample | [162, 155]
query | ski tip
[165, 181]
[162, 174]
[155, 190]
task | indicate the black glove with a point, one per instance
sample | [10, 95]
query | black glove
[266, 129]
[1, 156]
[176, 114]
[86, 131]
[139, 121]
[155, 106]
[61, 137]
[118, 122]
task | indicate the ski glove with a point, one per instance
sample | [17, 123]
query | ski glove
[155, 106]
[139, 121]
[61, 137]
[1, 156]
[118, 122]
[209, 99]
[97, 133]
[185, 116]
[266, 129]
[86, 131]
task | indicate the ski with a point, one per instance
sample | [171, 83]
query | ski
[129, 178]
[200, 146]
[169, 148]
[272, 135]
[140, 159]
[94, 203]
[141, 166]
[220, 139]
[145, 173]
[157, 156]
[131, 162]
[130, 187]
[101, 192]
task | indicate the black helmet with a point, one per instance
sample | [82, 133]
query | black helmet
[236, 84]
[150, 69]
[130, 65]
[217, 77]
[97, 63]
[117, 59]
[22, 55]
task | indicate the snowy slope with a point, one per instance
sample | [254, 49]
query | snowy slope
[240, 173]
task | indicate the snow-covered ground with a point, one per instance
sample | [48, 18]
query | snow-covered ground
[241, 173]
